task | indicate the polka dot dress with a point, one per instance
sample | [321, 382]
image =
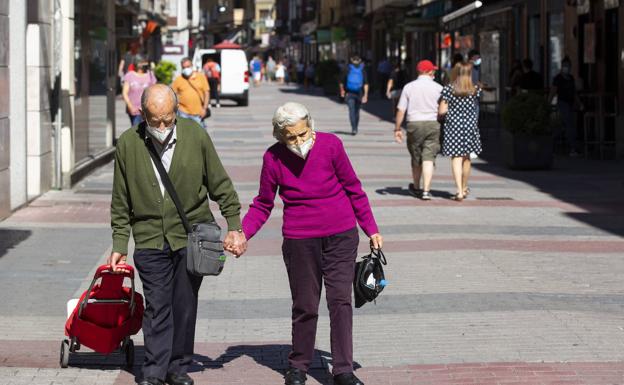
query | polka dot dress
[460, 131]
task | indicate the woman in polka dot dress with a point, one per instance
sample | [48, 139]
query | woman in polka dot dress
[459, 107]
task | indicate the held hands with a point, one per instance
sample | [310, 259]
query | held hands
[398, 136]
[376, 241]
[235, 243]
[116, 260]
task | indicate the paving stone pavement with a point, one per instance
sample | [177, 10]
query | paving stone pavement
[519, 284]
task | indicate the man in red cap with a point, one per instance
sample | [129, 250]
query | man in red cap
[419, 101]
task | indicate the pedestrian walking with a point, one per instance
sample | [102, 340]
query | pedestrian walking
[139, 203]
[309, 75]
[474, 57]
[134, 83]
[255, 67]
[530, 80]
[354, 90]
[320, 237]
[564, 88]
[459, 107]
[193, 92]
[126, 64]
[384, 69]
[300, 72]
[398, 80]
[270, 69]
[212, 70]
[419, 100]
[280, 72]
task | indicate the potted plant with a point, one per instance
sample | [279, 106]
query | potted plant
[164, 71]
[527, 140]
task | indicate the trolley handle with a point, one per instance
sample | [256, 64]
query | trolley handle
[127, 271]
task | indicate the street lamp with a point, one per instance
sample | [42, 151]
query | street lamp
[462, 11]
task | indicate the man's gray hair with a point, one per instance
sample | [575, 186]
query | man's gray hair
[145, 97]
[185, 59]
[289, 114]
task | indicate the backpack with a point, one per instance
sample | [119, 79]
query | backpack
[355, 78]
[212, 70]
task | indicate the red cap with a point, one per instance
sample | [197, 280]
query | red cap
[426, 66]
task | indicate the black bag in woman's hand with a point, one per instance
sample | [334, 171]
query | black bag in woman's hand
[369, 278]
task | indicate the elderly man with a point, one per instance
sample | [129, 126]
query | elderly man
[193, 92]
[141, 203]
[419, 101]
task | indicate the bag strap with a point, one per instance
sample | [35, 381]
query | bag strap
[201, 98]
[164, 178]
[379, 255]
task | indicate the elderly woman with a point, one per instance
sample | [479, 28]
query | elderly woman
[323, 200]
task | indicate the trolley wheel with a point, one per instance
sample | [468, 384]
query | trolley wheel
[64, 359]
[74, 345]
[129, 349]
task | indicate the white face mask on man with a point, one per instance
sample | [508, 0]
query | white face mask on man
[187, 72]
[160, 136]
[302, 149]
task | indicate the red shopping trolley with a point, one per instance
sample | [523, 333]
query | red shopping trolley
[105, 317]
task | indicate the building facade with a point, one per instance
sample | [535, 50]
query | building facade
[59, 121]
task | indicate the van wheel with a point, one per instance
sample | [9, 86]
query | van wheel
[244, 101]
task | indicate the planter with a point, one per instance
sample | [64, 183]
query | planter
[527, 152]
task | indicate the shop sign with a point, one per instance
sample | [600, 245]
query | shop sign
[338, 34]
[323, 36]
[610, 4]
[589, 52]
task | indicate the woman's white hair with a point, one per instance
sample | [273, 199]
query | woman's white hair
[289, 114]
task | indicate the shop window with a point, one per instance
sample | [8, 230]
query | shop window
[556, 44]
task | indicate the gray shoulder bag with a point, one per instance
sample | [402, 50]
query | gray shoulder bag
[204, 250]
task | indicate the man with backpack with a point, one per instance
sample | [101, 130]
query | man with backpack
[354, 90]
[212, 70]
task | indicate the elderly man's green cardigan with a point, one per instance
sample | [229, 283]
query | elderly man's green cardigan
[137, 202]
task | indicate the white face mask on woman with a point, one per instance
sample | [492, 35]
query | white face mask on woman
[303, 148]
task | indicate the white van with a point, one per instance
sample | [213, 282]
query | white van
[234, 72]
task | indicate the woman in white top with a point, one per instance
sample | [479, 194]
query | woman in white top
[280, 72]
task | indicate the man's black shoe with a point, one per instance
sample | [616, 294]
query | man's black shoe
[295, 376]
[347, 379]
[151, 381]
[179, 379]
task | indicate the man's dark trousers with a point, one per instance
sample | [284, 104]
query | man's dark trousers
[354, 101]
[171, 311]
[308, 262]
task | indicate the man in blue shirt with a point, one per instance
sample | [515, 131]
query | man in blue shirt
[354, 90]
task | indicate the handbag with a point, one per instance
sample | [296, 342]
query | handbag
[369, 280]
[204, 250]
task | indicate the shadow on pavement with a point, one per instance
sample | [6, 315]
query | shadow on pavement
[403, 191]
[594, 186]
[274, 357]
[10, 238]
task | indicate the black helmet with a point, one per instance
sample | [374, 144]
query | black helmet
[369, 278]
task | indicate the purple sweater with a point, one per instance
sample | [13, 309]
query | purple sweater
[322, 195]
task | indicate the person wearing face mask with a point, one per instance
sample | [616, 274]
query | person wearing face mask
[134, 83]
[140, 203]
[193, 92]
[323, 201]
[564, 87]
[474, 57]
